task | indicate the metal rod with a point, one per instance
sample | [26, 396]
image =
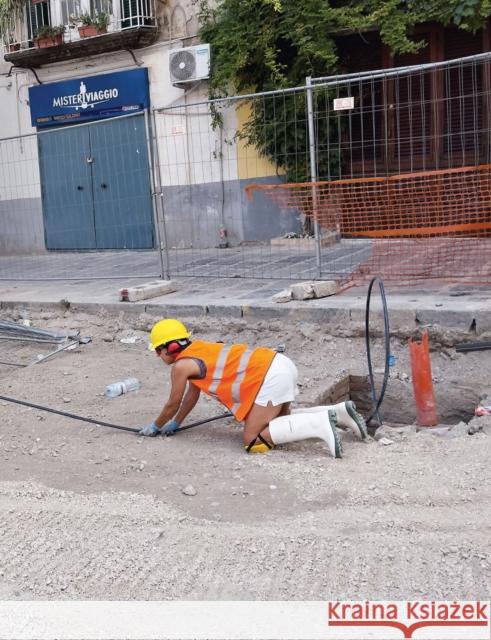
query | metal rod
[26, 339]
[473, 346]
[405, 69]
[313, 172]
[329, 81]
[120, 277]
[150, 132]
[163, 243]
[53, 353]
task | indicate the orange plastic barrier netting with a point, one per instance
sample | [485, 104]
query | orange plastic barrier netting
[410, 261]
[432, 224]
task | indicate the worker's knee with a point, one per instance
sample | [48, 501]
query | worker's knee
[258, 445]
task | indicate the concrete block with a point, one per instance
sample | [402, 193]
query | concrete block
[302, 290]
[184, 311]
[223, 311]
[282, 296]
[461, 320]
[325, 288]
[147, 290]
[327, 239]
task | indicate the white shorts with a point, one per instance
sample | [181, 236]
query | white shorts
[280, 383]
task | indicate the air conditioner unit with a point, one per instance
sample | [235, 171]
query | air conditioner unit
[189, 64]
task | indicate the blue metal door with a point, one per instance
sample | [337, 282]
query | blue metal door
[66, 183]
[96, 186]
[121, 184]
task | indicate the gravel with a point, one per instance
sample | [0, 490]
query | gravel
[93, 513]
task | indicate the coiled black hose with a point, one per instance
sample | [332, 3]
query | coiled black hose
[377, 401]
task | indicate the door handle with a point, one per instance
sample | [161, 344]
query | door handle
[80, 188]
[103, 185]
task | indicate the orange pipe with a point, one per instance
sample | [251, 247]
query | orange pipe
[424, 395]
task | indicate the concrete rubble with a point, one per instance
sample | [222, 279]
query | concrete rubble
[307, 291]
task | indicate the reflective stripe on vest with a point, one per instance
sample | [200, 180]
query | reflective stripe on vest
[218, 372]
[241, 371]
[234, 373]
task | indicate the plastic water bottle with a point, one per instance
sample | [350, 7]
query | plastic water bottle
[123, 386]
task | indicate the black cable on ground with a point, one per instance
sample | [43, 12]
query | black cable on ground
[196, 424]
[100, 422]
[68, 415]
[377, 401]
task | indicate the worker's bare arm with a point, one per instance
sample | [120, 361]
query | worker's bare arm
[188, 403]
[182, 370]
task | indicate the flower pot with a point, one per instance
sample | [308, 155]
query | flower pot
[49, 41]
[87, 31]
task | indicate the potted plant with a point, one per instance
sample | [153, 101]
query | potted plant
[92, 26]
[103, 19]
[87, 26]
[48, 36]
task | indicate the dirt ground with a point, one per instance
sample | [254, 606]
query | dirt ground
[88, 512]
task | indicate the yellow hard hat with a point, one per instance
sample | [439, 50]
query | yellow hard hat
[165, 331]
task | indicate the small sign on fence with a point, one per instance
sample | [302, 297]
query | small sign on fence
[178, 129]
[344, 103]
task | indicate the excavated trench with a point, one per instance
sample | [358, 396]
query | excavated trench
[456, 403]
[460, 380]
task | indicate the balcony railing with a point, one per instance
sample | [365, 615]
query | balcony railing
[108, 20]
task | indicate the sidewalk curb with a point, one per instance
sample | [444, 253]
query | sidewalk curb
[465, 320]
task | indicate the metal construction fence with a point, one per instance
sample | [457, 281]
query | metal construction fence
[380, 173]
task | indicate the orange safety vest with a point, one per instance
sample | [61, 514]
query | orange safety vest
[234, 373]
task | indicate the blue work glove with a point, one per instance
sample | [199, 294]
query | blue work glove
[170, 427]
[150, 430]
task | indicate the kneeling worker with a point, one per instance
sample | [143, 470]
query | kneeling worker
[256, 385]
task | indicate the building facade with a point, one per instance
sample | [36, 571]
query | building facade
[85, 164]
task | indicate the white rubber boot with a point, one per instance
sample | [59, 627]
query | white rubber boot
[347, 416]
[301, 426]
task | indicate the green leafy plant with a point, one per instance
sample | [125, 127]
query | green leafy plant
[10, 12]
[262, 45]
[102, 20]
[49, 31]
[86, 20]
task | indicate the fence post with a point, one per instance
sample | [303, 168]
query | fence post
[159, 202]
[313, 172]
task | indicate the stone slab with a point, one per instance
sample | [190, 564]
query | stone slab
[324, 288]
[147, 290]
[302, 290]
